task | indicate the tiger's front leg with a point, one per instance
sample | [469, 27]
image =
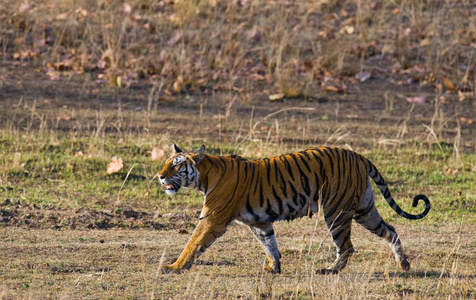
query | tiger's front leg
[203, 236]
[264, 232]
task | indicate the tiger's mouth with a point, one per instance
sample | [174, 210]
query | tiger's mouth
[170, 189]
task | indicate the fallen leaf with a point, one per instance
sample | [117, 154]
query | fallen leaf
[349, 29]
[63, 117]
[82, 11]
[331, 88]
[174, 39]
[16, 160]
[461, 96]
[25, 7]
[126, 8]
[425, 42]
[178, 83]
[115, 165]
[257, 77]
[276, 97]
[62, 16]
[336, 88]
[174, 19]
[157, 154]
[363, 76]
[253, 34]
[169, 99]
[417, 99]
[448, 84]
[466, 120]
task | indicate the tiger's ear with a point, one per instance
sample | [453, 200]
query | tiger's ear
[176, 149]
[198, 156]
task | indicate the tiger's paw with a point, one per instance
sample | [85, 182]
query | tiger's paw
[405, 265]
[167, 269]
[273, 270]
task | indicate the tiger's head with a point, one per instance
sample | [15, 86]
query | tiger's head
[180, 170]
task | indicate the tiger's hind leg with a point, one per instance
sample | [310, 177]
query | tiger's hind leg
[368, 216]
[340, 230]
[264, 232]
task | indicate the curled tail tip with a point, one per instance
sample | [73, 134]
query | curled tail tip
[419, 197]
[416, 199]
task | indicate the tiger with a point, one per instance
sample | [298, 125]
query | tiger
[259, 192]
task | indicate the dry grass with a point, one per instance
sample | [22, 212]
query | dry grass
[237, 45]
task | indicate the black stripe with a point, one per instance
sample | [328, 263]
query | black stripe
[318, 188]
[294, 193]
[211, 162]
[261, 195]
[269, 210]
[280, 202]
[317, 158]
[268, 168]
[304, 178]
[305, 163]
[288, 167]
[275, 170]
[290, 208]
[329, 160]
[303, 199]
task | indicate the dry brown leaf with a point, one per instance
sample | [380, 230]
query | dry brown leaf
[115, 165]
[175, 38]
[448, 84]
[167, 99]
[331, 88]
[25, 7]
[81, 11]
[349, 29]
[466, 120]
[253, 34]
[363, 76]
[178, 84]
[157, 154]
[276, 97]
[461, 96]
[425, 42]
[63, 117]
[16, 160]
[62, 16]
[126, 8]
[174, 19]
[417, 99]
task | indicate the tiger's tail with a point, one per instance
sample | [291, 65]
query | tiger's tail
[373, 173]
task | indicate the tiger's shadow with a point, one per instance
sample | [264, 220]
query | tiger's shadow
[419, 274]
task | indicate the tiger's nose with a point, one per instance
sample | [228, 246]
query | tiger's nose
[161, 177]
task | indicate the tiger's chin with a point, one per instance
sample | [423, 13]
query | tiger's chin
[170, 190]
